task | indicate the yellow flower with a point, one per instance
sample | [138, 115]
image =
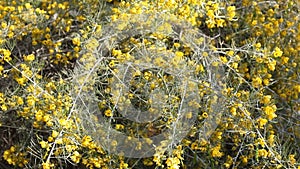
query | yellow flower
[52, 107]
[27, 5]
[223, 59]
[47, 165]
[210, 14]
[231, 12]
[119, 126]
[54, 134]
[261, 122]
[123, 165]
[244, 160]
[233, 111]
[210, 23]
[254, 22]
[271, 65]
[259, 59]
[1, 69]
[76, 41]
[59, 141]
[205, 54]
[76, 157]
[270, 112]
[76, 49]
[176, 45]
[173, 163]
[292, 159]
[257, 45]
[86, 141]
[21, 81]
[46, 118]
[271, 139]
[262, 153]
[256, 82]
[20, 101]
[44, 144]
[6, 55]
[177, 58]
[266, 82]
[50, 139]
[39, 115]
[179, 54]
[284, 60]
[61, 6]
[108, 113]
[6, 154]
[204, 115]
[266, 99]
[220, 22]
[199, 68]
[194, 146]
[215, 151]
[234, 65]
[277, 52]
[34, 42]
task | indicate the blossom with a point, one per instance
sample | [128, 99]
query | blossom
[173, 163]
[271, 65]
[44, 144]
[215, 151]
[270, 112]
[108, 113]
[76, 157]
[266, 99]
[231, 12]
[47, 165]
[261, 122]
[5, 54]
[86, 141]
[256, 82]
[262, 153]
[220, 22]
[277, 52]
[76, 41]
[29, 58]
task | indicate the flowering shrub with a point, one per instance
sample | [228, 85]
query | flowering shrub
[219, 81]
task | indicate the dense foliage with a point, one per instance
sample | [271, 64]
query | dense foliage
[242, 55]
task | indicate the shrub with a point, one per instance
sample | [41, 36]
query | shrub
[189, 84]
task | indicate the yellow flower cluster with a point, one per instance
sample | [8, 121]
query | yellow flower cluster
[15, 158]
